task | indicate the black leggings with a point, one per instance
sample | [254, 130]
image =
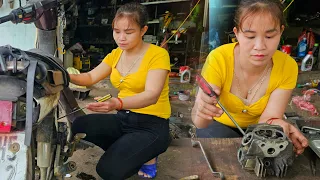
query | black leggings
[129, 140]
[218, 130]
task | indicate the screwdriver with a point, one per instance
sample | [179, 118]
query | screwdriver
[209, 91]
[102, 99]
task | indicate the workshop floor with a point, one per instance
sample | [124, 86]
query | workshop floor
[87, 159]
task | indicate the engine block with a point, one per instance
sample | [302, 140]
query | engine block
[266, 150]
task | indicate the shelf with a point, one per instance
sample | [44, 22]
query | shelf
[177, 51]
[163, 2]
[155, 21]
[96, 42]
[106, 25]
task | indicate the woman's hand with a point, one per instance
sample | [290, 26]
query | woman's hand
[297, 138]
[106, 106]
[206, 106]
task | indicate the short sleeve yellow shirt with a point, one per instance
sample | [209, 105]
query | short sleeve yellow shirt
[218, 70]
[134, 83]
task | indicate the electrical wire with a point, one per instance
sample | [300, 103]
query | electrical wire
[181, 24]
[288, 6]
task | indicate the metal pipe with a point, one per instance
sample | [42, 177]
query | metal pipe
[229, 115]
[194, 144]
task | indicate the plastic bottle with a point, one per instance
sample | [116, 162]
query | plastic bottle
[185, 76]
[307, 62]
[302, 48]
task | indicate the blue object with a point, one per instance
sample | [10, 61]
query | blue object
[302, 48]
[149, 169]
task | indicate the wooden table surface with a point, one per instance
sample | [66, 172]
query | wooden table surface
[181, 160]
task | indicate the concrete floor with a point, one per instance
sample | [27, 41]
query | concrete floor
[87, 159]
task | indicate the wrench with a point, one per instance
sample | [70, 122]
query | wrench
[194, 144]
[13, 171]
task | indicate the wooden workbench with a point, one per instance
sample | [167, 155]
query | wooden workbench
[181, 160]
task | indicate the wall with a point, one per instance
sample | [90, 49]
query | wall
[17, 35]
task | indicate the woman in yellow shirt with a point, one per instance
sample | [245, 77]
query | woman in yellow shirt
[253, 79]
[139, 131]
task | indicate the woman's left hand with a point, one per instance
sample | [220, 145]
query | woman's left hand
[106, 106]
[299, 141]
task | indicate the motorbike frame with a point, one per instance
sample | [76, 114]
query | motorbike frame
[48, 137]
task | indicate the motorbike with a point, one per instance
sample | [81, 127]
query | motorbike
[34, 142]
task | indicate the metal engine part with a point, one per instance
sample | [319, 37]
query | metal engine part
[266, 150]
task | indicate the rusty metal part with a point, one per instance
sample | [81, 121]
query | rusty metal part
[198, 143]
[65, 169]
[266, 150]
[313, 135]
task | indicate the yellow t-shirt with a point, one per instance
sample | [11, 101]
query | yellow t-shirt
[134, 83]
[218, 70]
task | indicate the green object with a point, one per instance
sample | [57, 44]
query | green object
[303, 85]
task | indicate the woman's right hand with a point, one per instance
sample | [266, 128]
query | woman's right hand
[206, 105]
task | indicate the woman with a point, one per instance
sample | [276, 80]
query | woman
[253, 79]
[139, 131]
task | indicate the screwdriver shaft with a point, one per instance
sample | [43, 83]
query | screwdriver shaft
[229, 115]
[102, 99]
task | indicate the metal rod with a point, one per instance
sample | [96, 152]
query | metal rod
[102, 99]
[229, 115]
[71, 113]
[193, 142]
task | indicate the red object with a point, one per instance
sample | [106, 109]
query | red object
[287, 49]
[301, 103]
[173, 74]
[5, 116]
[269, 121]
[308, 34]
[205, 86]
[183, 68]
[121, 104]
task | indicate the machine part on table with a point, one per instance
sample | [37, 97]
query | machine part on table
[266, 150]
[313, 135]
[198, 143]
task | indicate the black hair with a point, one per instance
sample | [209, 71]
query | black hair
[247, 8]
[134, 11]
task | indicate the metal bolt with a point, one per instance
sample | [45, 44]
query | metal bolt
[14, 147]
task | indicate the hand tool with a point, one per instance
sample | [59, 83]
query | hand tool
[198, 143]
[102, 99]
[193, 177]
[209, 91]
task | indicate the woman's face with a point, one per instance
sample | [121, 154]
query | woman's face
[259, 38]
[127, 34]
